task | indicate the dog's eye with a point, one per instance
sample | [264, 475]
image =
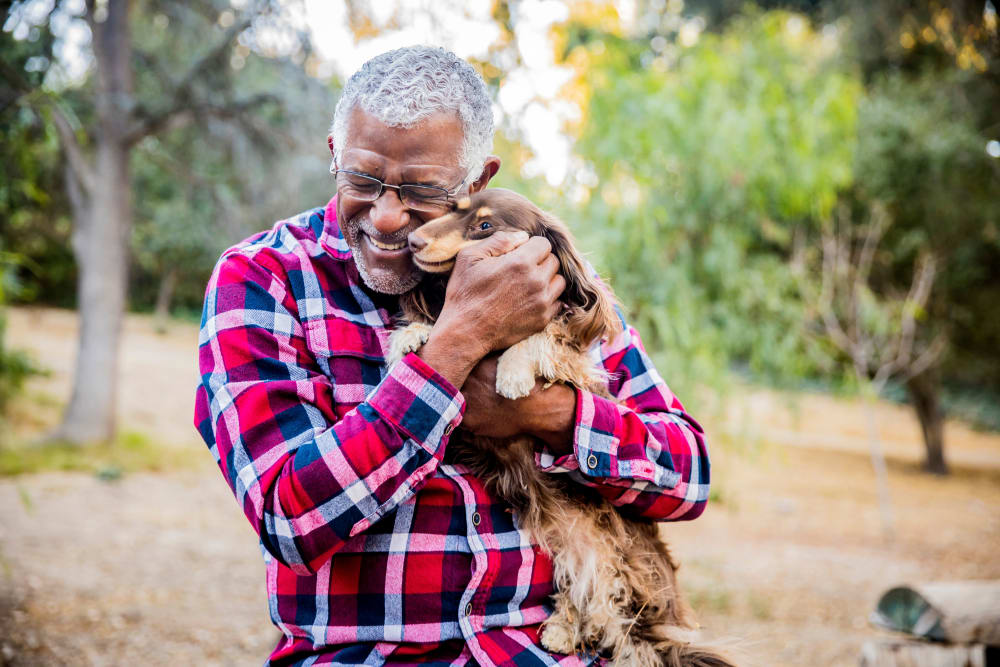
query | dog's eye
[484, 226]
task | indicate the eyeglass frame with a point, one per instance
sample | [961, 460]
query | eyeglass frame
[449, 196]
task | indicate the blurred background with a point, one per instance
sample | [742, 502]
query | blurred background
[797, 203]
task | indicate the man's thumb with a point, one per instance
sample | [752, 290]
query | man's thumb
[501, 243]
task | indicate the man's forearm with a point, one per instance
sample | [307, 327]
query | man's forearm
[452, 352]
[550, 415]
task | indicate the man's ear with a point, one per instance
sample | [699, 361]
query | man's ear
[490, 168]
[329, 142]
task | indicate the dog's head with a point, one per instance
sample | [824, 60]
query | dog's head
[590, 310]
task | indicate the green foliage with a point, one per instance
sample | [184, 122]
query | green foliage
[15, 365]
[921, 152]
[130, 452]
[708, 173]
[223, 170]
[205, 185]
[33, 207]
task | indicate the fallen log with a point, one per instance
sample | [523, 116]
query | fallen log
[917, 653]
[962, 612]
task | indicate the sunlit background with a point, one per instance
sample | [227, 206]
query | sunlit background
[797, 204]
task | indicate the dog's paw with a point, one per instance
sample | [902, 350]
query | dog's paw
[515, 377]
[558, 638]
[407, 339]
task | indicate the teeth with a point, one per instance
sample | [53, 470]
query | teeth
[387, 246]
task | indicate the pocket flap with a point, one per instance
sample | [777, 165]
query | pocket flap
[334, 337]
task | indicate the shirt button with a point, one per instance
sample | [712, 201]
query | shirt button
[448, 429]
[591, 461]
[468, 609]
[476, 519]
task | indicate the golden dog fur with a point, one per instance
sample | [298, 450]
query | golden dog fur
[617, 592]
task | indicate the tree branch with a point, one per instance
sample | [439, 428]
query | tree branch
[38, 100]
[182, 116]
[82, 169]
[148, 122]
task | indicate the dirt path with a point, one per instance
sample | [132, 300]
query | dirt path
[163, 569]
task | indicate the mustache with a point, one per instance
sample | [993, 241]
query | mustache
[361, 223]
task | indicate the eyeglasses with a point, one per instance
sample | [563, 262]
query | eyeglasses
[368, 188]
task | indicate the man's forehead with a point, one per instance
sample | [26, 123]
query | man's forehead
[434, 141]
[373, 160]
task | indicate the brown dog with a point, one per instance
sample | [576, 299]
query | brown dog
[616, 587]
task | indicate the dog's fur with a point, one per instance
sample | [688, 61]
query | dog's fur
[616, 589]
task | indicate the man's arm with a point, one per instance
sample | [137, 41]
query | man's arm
[641, 451]
[306, 478]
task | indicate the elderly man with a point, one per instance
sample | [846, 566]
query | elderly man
[377, 551]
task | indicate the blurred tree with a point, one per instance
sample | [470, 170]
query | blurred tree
[877, 332]
[205, 185]
[15, 365]
[35, 220]
[661, 135]
[186, 77]
[706, 166]
[925, 123]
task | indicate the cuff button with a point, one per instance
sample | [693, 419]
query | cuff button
[591, 461]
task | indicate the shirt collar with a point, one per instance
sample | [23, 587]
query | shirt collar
[332, 239]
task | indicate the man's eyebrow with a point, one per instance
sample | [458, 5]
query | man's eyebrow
[428, 172]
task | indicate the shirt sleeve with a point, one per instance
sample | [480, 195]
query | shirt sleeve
[306, 479]
[641, 450]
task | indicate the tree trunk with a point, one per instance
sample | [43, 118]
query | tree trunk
[923, 390]
[100, 239]
[163, 297]
[881, 470]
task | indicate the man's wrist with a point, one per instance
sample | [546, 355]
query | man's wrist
[453, 352]
[553, 418]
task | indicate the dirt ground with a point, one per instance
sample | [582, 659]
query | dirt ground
[785, 565]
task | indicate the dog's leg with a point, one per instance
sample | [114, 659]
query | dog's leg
[539, 355]
[518, 366]
[407, 339]
[560, 632]
[546, 355]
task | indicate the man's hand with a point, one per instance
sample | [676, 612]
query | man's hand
[548, 414]
[500, 292]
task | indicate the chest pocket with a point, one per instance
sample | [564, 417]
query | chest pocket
[352, 356]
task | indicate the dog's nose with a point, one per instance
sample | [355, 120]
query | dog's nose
[417, 242]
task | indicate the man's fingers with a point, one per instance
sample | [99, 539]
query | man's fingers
[549, 266]
[501, 243]
[536, 249]
[556, 286]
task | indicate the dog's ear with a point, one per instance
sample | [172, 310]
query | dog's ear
[591, 307]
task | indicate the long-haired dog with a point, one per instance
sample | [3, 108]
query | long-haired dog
[616, 589]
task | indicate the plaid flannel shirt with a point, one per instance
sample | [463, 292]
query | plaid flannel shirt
[376, 551]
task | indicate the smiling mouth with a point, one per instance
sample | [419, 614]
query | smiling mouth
[386, 246]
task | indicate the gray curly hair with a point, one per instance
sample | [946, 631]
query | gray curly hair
[405, 86]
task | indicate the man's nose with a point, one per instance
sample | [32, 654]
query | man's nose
[388, 213]
[416, 242]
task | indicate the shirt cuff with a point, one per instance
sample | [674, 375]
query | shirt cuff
[418, 401]
[596, 444]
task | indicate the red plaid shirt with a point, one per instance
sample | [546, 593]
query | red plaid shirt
[377, 552]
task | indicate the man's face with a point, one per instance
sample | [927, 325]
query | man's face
[426, 154]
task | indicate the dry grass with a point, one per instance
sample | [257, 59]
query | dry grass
[787, 561]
